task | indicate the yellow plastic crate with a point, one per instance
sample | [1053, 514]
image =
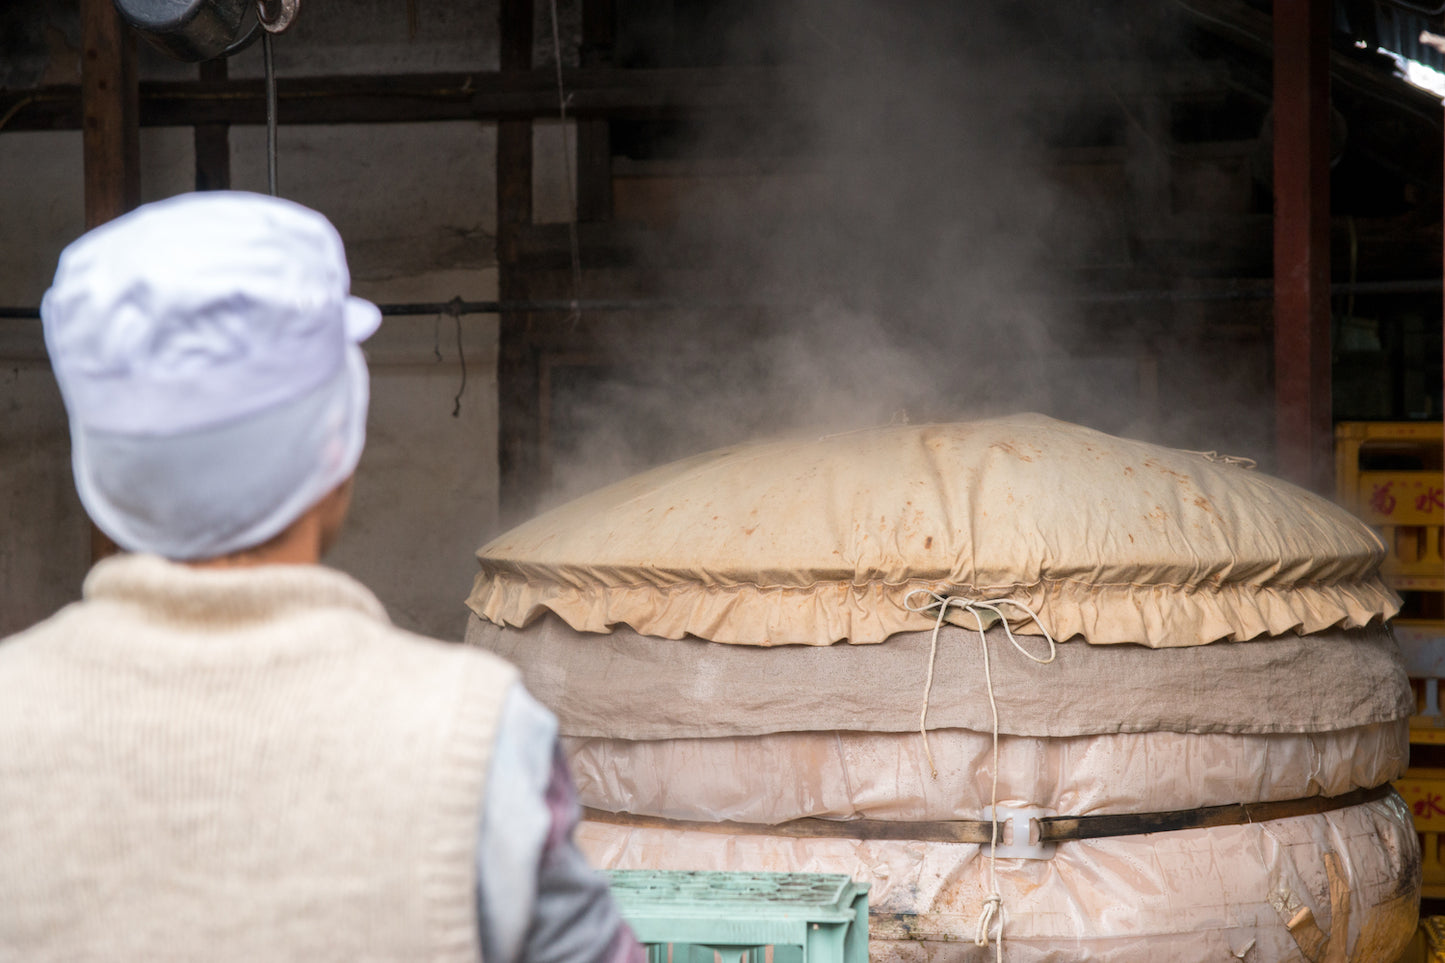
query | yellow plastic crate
[1405, 502]
[1433, 930]
[1424, 792]
[1408, 507]
[1390, 475]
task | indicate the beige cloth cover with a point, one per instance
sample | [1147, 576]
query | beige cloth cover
[1109, 540]
[822, 540]
[628, 686]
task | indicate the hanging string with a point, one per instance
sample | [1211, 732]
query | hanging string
[575, 315]
[993, 904]
[454, 308]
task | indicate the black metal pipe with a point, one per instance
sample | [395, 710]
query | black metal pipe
[1262, 291]
[457, 306]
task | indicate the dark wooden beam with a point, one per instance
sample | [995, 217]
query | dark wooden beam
[108, 102]
[110, 139]
[594, 170]
[594, 139]
[1250, 27]
[518, 362]
[213, 141]
[412, 98]
[596, 91]
[1304, 435]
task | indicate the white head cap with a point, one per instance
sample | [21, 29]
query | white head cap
[206, 349]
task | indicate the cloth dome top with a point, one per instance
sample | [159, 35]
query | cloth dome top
[823, 540]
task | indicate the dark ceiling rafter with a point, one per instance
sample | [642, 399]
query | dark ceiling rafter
[593, 93]
[410, 98]
[1251, 29]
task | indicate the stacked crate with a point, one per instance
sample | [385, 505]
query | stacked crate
[1390, 474]
[743, 917]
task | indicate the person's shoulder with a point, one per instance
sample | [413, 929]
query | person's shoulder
[56, 625]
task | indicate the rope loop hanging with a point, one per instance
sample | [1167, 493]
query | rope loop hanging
[993, 909]
[976, 608]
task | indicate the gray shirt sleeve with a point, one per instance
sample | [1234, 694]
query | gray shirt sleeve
[537, 899]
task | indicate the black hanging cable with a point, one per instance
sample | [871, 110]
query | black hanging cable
[569, 178]
[454, 308]
[270, 112]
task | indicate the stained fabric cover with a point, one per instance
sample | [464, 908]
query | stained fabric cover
[884, 775]
[822, 540]
[628, 686]
[1337, 886]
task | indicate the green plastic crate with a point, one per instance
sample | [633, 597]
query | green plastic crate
[805, 917]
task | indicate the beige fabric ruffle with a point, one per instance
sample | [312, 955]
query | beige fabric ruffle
[828, 612]
[823, 540]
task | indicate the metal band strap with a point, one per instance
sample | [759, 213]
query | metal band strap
[1051, 828]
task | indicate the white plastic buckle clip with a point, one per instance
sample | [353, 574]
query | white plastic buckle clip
[1018, 833]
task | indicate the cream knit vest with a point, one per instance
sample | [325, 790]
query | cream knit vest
[248, 764]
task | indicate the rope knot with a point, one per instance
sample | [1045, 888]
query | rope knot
[976, 608]
[993, 906]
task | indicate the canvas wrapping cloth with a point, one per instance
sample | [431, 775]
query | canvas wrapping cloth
[1336, 886]
[1221, 641]
[1277, 890]
[884, 775]
[627, 686]
[824, 540]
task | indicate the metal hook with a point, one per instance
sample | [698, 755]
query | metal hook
[277, 15]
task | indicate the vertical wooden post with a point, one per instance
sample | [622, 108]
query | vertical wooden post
[213, 141]
[1302, 242]
[109, 107]
[110, 135]
[594, 140]
[517, 359]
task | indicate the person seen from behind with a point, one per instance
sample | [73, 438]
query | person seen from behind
[225, 751]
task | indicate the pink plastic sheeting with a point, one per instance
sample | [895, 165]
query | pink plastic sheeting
[842, 775]
[1191, 896]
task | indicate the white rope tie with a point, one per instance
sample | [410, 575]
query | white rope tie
[1238, 461]
[993, 905]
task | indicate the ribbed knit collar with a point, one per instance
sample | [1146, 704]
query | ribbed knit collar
[237, 595]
